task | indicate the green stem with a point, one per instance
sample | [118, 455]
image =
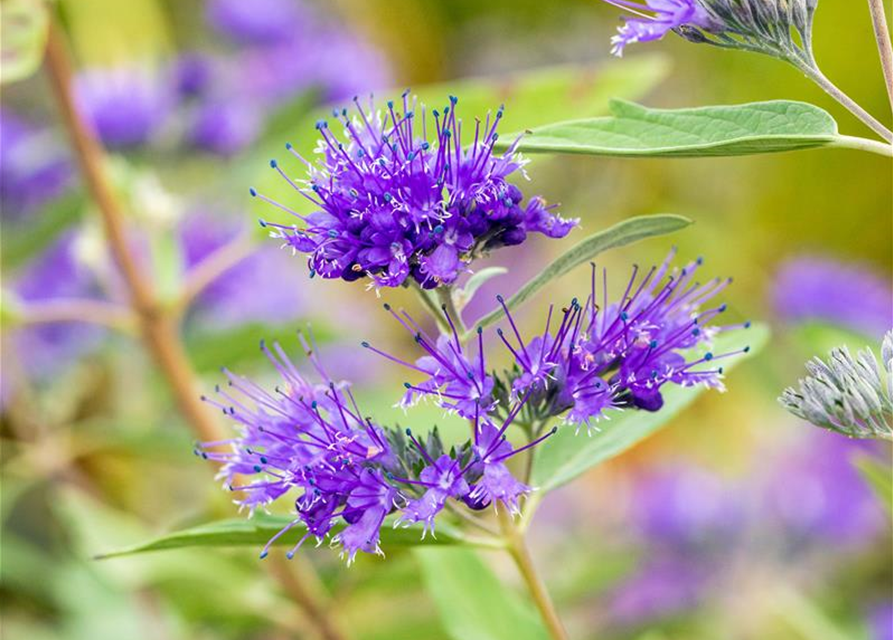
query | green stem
[448, 304]
[512, 535]
[814, 73]
[159, 327]
[863, 144]
[431, 307]
[517, 548]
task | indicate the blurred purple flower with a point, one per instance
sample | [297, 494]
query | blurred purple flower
[662, 588]
[127, 105]
[193, 72]
[684, 506]
[33, 167]
[817, 288]
[815, 492]
[294, 49]
[880, 622]
[225, 126]
[259, 21]
[44, 350]
[242, 294]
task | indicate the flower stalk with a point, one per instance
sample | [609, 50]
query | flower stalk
[520, 554]
[815, 74]
[885, 47]
[158, 327]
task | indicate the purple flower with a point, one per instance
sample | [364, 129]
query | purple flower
[686, 507]
[654, 19]
[443, 479]
[817, 494]
[458, 381]
[349, 473]
[290, 49]
[662, 588]
[193, 73]
[312, 438]
[605, 355]
[259, 21]
[127, 105]
[818, 288]
[33, 169]
[880, 622]
[496, 482]
[225, 126]
[242, 294]
[53, 275]
[394, 206]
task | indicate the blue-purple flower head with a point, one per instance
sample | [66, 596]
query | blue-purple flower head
[594, 357]
[310, 442]
[399, 198]
[597, 357]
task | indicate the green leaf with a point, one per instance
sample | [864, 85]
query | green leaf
[637, 131]
[567, 454]
[465, 294]
[473, 604]
[255, 532]
[23, 34]
[622, 233]
[540, 96]
[880, 479]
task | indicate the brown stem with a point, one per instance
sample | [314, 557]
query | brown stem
[885, 47]
[159, 329]
[75, 310]
[212, 267]
[304, 591]
[517, 548]
[159, 332]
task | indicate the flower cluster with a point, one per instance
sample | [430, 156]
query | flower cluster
[781, 28]
[849, 395]
[603, 355]
[395, 204]
[349, 473]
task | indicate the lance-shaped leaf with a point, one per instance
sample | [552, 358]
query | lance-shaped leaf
[567, 454]
[473, 604]
[464, 295]
[637, 131]
[256, 531]
[622, 233]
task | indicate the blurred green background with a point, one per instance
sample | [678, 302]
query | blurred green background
[95, 457]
